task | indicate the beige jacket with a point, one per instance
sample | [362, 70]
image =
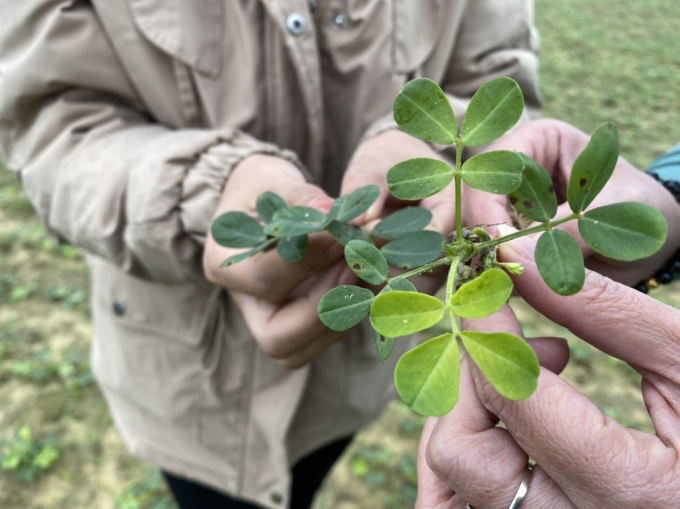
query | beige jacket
[124, 118]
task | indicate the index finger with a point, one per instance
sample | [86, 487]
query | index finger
[612, 317]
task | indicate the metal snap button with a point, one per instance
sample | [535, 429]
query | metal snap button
[340, 20]
[276, 497]
[296, 24]
[119, 307]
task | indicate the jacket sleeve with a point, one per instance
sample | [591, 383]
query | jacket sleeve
[494, 39]
[101, 174]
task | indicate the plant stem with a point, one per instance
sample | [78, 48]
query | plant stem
[540, 228]
[459, 202]
[425, 268]
[450, 285]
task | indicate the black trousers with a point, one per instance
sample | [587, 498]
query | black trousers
[308, 474]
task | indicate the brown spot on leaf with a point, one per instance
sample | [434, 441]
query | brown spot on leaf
[356, 266]
[513, 200]
[551, 189]
[528, 204]
[582, 182]
[382, 339]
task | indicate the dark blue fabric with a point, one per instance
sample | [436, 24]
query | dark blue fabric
[308, 474]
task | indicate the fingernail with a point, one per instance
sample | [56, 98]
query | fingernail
[336, 251]
[321, 204]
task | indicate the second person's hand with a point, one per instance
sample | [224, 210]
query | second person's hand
[555, 145]
[585, 459]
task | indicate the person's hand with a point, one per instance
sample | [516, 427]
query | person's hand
[555, 145]
[584, 459]
[369, 166]
[278, 299]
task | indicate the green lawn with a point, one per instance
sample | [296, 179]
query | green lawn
[601, 60]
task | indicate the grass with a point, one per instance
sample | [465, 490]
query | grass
[600, 61]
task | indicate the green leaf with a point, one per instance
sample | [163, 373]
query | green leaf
[293, 249]
[357, 202]
[397, 313]
[593, 167]
[383, 347]
[410, 219]
[232, 260]
[428, 376]
[535, 198]
[237, 229]
[498, 172]
[400, 285]
[335, 209]
[414, 249]
[482, 296]
[422, 110]
[366, 261]
[560, 262]
[493, 110]
[343, 233]
[624, 231]
[344, 306]
[268, 204]
[508, 362]
[418, 178]
[295, 221]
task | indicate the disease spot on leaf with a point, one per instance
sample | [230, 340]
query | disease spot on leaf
[551, 189]
[513, 200]
[366, 261]
[528, 204]
[593, 167]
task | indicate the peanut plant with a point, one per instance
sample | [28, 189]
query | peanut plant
[427, 377]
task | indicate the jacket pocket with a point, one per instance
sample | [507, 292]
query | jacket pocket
[151, 346]
[190, 31]
[416, 29]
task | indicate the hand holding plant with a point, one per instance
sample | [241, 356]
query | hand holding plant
[427, 377]
[273, 294]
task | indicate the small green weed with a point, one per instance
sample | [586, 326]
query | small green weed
[149, 493]
[25, 456]
[42, 366]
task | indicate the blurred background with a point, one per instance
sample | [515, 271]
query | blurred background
[601, 60]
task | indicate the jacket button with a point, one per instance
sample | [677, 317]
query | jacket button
[119, 307]
[276, 497]
[340, 20]
[296, 24]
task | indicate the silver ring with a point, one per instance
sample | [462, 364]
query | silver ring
[521, 491]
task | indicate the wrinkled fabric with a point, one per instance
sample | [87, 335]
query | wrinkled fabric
[124, 118]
